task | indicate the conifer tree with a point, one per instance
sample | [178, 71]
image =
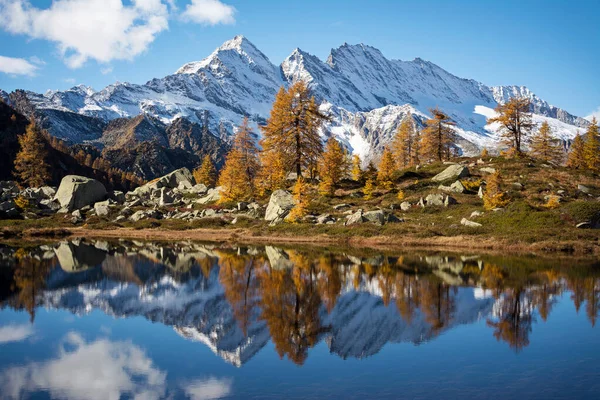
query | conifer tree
[302, 197]
[31, 165]
[333, 168]
[437, 137]
[484, 153]
[357, 172]
[494, 197]
[387, 167]
[544, 146]
[369, 188]
[241, 166]
[370, 172]
[405, 141]
[591, 148]
[293, 128]
[206, 174]
[576, 157]
[272, 174]
[514, 118]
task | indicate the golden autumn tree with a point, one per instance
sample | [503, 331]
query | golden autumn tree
[206, 174]
[576, 156]
[405, 143]
[302, 197]
[357, 172]
[241, 166]
[544, 146]
[293, 128]
[272, 174]
[369, 189]
[438, 137]
[591, 148]
[514, 118]
[484, 153]
[333, 167]
[494, 197]
[387, 167]
[31, 165]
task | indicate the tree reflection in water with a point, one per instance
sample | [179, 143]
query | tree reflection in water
[293, 292]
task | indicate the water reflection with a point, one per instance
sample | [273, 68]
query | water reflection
[235, 299]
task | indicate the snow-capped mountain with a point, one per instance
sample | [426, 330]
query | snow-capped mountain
[366, 93]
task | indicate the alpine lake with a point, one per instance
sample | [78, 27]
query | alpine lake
[94, 319]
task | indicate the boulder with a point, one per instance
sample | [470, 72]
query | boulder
[458, 187]
[117, 196]
[198, 189]
[434, 200]
[471, 224]
[584, 189]
[405, 206]
[213, 195]
[164, 198]
[488, 170]
[101, 208]
[76, 192]
[377, 217]
[449, 201]
[181, 178]
[77, 217]
[480, 192]
[356, 218]
[280, 205]
[455, 171]
[324, 219]
[242, 206]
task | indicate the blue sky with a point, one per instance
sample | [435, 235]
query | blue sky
[551, 46]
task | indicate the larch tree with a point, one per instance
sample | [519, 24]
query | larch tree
[544, 146]
[514, 118]
[206, 174]
[576, 157]
[293, 128]
[494, 197]
[438, 137]
[405, 143]
[387, 167]
[31, 165]
[302, 198]
[333, 167]
[357, 172]
[241, 166]
[591, 148]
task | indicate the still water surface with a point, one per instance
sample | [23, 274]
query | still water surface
[98, 320]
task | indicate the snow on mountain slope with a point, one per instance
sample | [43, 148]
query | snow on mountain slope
[367, 94]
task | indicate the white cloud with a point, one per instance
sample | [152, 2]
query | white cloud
[17, 66]
[97, 370]
[15, 333]
[594, 114]
[209, 12]
[101, 30]
[208, 389]
[106, 70]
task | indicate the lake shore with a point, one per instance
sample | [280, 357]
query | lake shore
[249, 236]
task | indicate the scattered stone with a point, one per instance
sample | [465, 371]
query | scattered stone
[584, 189]
[452, 172]
[117, 196]
[517, 185]
[405, 206]
[101, 208]
[280, 205]
[421, 203]
[356, 218]
[242, 206]
[434, 200]
[376, 217]
[449, 201]
[475, 214]
[165, 198]
[488, 170]
[199, 189]
[212, 196]
[324, 219]
[480, 192]
[458, 187]
[340, 206]
[77, 217]
[584, 225]
[471, 224]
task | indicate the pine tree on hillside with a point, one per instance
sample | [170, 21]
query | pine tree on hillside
[357, 172]
[31, 166]
[591, 149]
[206, 174]
[545, 147]
[438, 137]
[576, 157]
[293, 128]
[241, 166]
[387, 167]
[333, 167]
[405, 141]
[514, 118]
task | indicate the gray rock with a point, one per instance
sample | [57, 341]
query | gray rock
[517, 185]
[584, 225]
[7, 205]
[340, 206]
[356, 218]
[471, 224]
[421, 203]
[137, 216]
[165, 197]
[405, 206]
[434, 199]
[50, 204]
[117, 196]
[77, 217]
[480, 192]
[324, 219]
[475, 214]
[199, 189]
[280, 204]
[584, 189]
[391, 218]
[488, 170]
[452, 172]
[242, 206]
[120, 218]
[213, 195]
[458, 187]
[101, 208]
[181, 178]
[75, 257]
[78, 191]
[377, 217]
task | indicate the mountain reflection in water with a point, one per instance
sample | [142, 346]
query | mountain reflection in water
[235, 299]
